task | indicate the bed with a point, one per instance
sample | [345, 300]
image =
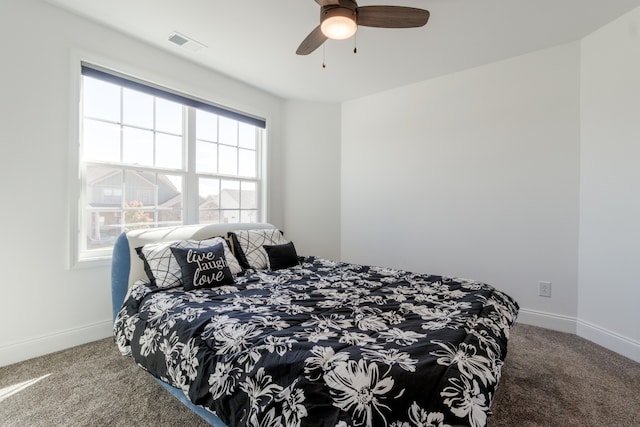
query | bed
[246, 332]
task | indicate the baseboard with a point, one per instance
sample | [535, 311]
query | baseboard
[620, 344]
[39, 346]
[608, 339]
[556, 322]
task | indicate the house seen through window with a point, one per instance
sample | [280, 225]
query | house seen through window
[153, 158]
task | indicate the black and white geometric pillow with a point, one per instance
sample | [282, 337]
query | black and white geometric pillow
[163, 269]
[247, 245]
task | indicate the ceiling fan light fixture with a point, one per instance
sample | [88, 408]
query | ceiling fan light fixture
[339, 23]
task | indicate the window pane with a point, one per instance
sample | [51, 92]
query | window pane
[168, 116]
[206, 157]
[206, 126]
[101, 141]
[230, 194]
[247, 163]
[135, 219]
[249, 216]
[247, 136]
[137, 146]
[209, 191]
[230, 216]
[168, 151]
[169, 218]
[228, 131]
[137, 109]
[101, 99]
[103, 227]
[170, 191]
[228, 160]
[104, 187]
[249, 196]
[209, 217]
[140, 189]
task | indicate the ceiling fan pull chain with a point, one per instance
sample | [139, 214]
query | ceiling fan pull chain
[324, 56]
[355, 43]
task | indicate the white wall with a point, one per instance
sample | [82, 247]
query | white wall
[473, 174]
[44, 306]
[311, 151]
[609, 272]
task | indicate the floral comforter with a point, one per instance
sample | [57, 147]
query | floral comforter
[326, 344]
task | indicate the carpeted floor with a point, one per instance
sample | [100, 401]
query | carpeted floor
[549, 379]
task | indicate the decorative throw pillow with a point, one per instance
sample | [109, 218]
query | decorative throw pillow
[203, 267]
[162, 268]
[281, 256]
[248, 246]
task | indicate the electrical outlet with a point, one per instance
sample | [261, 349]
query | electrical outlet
[544, 289]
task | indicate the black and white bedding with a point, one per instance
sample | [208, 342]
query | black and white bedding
[325, 343]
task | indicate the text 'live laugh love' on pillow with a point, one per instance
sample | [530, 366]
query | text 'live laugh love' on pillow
[203, 267]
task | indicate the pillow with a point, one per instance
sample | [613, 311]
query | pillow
[281, 256]
[162, 268]
[248, 246]
[203, 267]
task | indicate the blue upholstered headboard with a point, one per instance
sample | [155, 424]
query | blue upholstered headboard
[120, 266]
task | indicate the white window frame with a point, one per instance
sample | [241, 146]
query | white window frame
[78, 259]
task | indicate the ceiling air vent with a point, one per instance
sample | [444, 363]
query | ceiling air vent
[186, 42]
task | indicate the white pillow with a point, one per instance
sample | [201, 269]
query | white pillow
[163, 268]
[247, 245]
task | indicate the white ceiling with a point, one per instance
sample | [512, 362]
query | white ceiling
[255, 40]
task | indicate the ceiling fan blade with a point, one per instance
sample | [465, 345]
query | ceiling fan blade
[392, 16]
[313, 41]
[328, 2]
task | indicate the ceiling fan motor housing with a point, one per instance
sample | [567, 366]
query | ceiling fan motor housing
[346, 8]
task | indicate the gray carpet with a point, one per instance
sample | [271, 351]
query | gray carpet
[549, 379]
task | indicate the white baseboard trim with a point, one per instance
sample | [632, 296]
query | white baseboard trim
[613, 341]
[556, 322]
[45, 344]
[608, 339]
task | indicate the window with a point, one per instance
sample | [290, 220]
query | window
[150, 157]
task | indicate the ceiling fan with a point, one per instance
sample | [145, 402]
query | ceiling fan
[339, 20]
